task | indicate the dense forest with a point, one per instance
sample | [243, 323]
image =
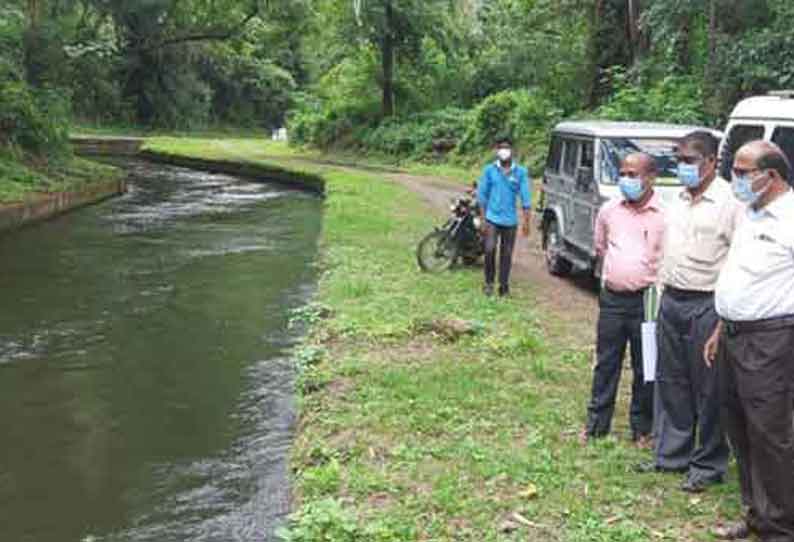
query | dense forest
[419, 79]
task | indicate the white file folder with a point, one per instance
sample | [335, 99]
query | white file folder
[650, 351]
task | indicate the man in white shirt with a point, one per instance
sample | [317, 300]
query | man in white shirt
[753, 344]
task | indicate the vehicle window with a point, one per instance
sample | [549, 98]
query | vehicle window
[784, 138]
[571, 158]
[738, 136]
[555, 153]
[587, 158]
[614, 150]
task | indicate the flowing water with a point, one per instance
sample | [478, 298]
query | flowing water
[145, 380]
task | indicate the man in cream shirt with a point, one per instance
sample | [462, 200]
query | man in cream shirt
[755, 300]
[700, 225]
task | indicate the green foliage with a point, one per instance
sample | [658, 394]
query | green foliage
[675, 99]
[35, 120]
[418, 136]
[328, 521]
[527, 116]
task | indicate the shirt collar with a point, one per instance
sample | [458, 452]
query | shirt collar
[653, 204]
[779, 207]
[513, 166]
[712, 193]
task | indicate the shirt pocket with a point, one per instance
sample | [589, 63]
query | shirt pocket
[706, 244]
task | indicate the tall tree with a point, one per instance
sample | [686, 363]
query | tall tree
[395, 28]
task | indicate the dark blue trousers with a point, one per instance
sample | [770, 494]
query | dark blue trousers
[619, 320]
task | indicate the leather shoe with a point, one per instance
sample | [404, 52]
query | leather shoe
[647, 467]
[698, 484]
[732, 531]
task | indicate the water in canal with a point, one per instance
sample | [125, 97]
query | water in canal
[145, 381]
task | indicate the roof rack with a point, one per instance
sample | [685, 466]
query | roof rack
[781, 93]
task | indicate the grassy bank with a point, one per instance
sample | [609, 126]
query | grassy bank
[22, 179]
[410, 432]
[218, 146]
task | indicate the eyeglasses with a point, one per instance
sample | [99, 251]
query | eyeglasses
[690, 160]
[630, 174]
[738, 172]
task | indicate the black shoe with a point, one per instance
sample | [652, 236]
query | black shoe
[487, 289]
[651, 466]
[504, 291]
[698, 484]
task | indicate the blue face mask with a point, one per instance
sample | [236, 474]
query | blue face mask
[743, 189]
[689, 175]
[631, 189]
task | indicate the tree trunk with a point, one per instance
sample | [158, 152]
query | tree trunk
[712, 58]
[387, 61]
[633, 34]
[595, 65]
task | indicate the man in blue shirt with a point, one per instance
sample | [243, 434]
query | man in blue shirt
[501, 183]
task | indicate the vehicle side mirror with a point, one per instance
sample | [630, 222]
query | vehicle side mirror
[584, 179]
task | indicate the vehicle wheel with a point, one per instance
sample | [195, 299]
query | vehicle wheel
[436, 252]
[552, 245]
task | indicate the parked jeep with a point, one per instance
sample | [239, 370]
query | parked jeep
[582, 172]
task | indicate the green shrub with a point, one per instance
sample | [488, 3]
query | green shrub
[36, 121]
[527, 116]
[416, 136]
[674, 98]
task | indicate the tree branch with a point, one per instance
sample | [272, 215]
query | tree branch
[206, 35]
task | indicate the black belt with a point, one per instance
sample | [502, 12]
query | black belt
[678, 293]
[768, 324]
[625, 293]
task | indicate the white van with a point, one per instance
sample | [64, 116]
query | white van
[769, 117]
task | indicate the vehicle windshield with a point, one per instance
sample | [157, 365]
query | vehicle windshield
[613, 150]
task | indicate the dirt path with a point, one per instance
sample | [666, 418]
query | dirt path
[570, 303]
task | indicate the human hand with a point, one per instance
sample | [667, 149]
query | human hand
[710, 350]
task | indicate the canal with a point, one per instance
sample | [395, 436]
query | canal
[145, 379]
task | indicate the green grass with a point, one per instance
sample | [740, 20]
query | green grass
[405, 435]
[22, 179]
[263, 149]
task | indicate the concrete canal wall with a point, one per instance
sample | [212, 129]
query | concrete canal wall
[44, 206]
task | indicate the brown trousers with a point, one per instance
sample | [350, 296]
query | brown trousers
[756, 374]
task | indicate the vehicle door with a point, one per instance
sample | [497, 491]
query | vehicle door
[585, 195]
[554, 193]
[570, 159]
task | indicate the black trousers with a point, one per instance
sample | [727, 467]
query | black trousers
[757, 390]
[619, 323]
[689, 435]
[505, 237]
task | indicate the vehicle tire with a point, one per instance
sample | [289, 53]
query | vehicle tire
[436, 252]
[552, 248]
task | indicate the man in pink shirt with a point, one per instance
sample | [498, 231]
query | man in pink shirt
[628, 239]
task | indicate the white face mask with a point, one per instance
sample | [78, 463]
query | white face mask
[504, 154]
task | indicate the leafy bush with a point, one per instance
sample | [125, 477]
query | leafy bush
[36, 121]
[420, 135]
[527, 116]
[676, 99]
